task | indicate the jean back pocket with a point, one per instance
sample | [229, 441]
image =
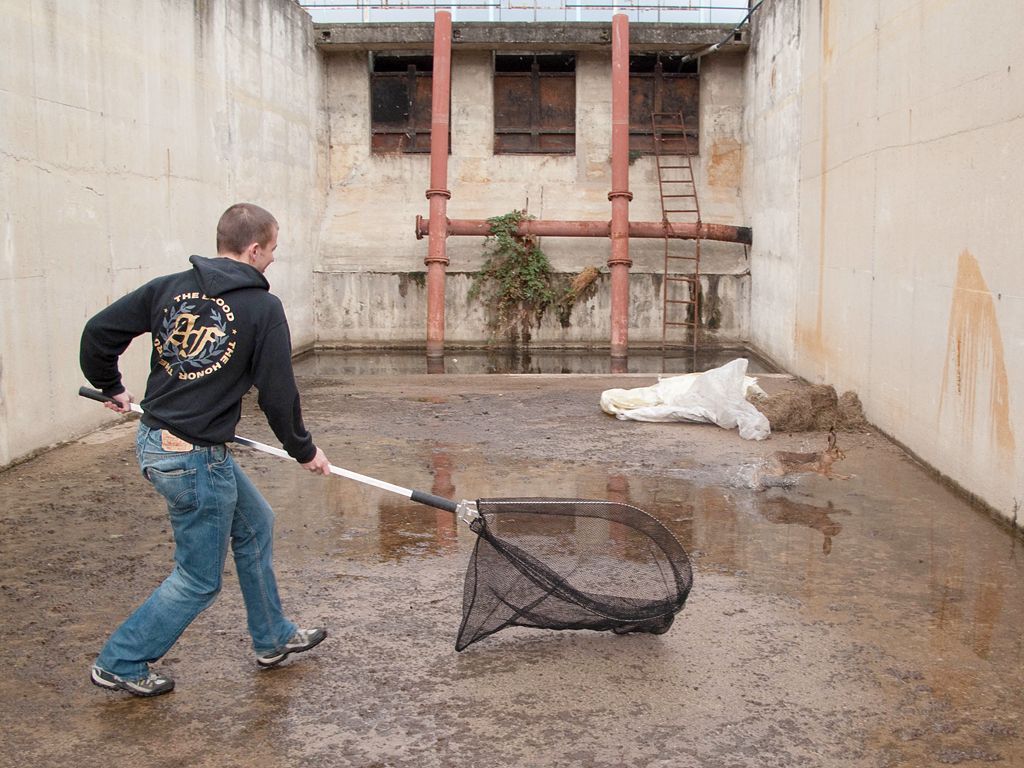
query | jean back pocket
[178, 486]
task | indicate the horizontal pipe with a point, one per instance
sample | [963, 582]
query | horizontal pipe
[725, 233]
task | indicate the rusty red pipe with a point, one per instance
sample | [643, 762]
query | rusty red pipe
[725, 233]
[438, 194]
[619, 229]
[619, 261]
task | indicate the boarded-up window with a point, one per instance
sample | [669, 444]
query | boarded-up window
[535, 104]
[400, 103]
[662, 84]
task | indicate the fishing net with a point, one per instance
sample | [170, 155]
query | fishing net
[553, 563]
[571, 564]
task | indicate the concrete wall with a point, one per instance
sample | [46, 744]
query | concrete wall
[882, 179]
[127, 129]
[369, 285]
[772, 174]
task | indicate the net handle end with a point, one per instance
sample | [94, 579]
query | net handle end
[438, 502]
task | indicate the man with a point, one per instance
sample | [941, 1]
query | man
[216, 332]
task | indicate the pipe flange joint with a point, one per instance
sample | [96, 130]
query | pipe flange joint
[445, 193]
[620, 193]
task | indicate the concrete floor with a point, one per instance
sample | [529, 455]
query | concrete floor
[874, 621]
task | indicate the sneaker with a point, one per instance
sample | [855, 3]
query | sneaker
[302, 640]
[150, 685]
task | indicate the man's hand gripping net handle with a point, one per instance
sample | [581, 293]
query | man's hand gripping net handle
[465, 510]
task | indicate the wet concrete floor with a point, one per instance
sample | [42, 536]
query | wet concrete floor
[874, 621]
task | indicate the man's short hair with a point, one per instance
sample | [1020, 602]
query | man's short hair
[243, 224]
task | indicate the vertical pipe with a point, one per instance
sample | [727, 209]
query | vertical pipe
[438, 193]
[619, 261]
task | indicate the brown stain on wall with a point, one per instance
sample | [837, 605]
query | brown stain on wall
[809, 336]
[725, 168]
[826, 30]
[974, 354]
[826, 61]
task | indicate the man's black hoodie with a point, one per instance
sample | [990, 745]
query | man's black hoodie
[216, 331]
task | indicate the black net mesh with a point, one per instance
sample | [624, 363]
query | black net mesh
[571, 564]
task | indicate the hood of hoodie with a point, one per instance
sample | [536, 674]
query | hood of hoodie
[222, 275]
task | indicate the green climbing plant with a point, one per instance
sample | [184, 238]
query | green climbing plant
[518, 285]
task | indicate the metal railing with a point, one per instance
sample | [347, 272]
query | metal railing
[665, 11]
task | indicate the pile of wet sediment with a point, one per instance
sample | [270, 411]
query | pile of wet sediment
[812, 409]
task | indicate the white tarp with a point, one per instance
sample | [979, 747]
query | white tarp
[718, 396]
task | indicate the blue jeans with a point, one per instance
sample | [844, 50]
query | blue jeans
[211, 504]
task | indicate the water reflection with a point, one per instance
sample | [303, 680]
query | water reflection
[410, 531]
[617, 489]
[731, 531]
[783, 511]
[384, 362]
[913, 558]
[407, 529]
[968, 597]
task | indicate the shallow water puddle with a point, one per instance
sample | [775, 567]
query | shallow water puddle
[936, 593]
[360, 362]
[818, 540]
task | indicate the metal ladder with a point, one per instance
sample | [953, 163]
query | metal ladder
[679, 204]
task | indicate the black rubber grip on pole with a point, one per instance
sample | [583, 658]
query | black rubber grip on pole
[438, 502]
[95, 394]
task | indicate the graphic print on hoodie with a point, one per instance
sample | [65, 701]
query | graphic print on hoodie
[194, 339]
[217, 331]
